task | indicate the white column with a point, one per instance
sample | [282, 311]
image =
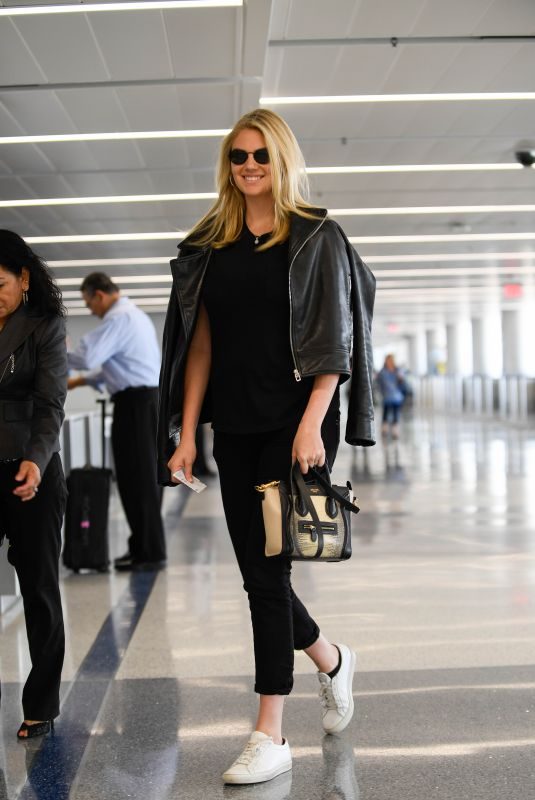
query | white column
[417, 351]
[436, 348]
[478, 349]
[512, 344]
[487, 344]
[459, 349]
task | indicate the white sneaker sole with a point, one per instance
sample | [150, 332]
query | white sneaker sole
[346, 719]
[260, 777]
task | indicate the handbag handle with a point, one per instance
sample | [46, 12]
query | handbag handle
[330, 491]
[296, 478]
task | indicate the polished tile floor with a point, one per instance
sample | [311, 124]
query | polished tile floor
[438, 601]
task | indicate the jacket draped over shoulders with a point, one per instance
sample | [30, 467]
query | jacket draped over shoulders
[331, 293]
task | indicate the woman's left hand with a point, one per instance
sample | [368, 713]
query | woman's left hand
[30, 475]
[308, 448]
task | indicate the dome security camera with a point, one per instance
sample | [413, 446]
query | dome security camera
[525, 157]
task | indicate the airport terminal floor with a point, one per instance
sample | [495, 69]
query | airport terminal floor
[438, 601]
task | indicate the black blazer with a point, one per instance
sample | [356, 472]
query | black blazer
[33, 386]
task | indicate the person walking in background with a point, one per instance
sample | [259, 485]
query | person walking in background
[392, 387]
[33, 386]
[269, 302]
[123, 355]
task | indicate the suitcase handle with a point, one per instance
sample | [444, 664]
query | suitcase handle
[102, 401]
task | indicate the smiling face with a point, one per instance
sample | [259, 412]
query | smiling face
[11, 288]
[252, 179]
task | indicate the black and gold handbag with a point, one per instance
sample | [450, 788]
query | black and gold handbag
[308, 519]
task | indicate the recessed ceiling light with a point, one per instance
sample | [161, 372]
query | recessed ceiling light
[87, 8]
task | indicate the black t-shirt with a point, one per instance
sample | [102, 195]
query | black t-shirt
[252, 382]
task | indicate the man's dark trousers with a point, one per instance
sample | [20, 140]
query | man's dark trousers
[134, 450]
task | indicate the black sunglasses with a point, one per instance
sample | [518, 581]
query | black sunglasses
[238, 156]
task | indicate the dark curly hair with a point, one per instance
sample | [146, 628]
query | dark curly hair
[44, 296]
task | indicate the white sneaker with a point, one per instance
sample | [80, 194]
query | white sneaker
[260, 761]
[336, 694]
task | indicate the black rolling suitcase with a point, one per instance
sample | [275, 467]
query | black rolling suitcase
[86, 516]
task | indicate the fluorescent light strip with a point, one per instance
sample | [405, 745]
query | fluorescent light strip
[106, 237]
[379, 168]
[115, 136]
[397, 98]
[410, 258]
[453, 272]
[455, 237]
[146, 301]
[107, 262]
[414, 258]
[145, 237]
[127, 198]
[73, 294]
[120, 279]
[401, 210]
[335, 212]
[158, 5]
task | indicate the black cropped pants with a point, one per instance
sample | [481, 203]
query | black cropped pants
[281, 623]
[34, 532]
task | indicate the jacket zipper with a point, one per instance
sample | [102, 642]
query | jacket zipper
[297, 374]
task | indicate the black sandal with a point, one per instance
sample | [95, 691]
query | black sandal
[38, 729]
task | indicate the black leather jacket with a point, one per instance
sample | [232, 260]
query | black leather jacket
[331, 304]
[33, 386]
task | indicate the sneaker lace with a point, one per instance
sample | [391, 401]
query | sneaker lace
[250, 751]
[327, 697]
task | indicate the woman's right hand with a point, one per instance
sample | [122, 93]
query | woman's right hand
[183, 458]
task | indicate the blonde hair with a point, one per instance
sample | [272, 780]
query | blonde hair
[223, 223]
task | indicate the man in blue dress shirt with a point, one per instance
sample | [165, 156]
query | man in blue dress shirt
[122, 355]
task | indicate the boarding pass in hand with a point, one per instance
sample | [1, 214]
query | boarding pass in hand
[197, 485]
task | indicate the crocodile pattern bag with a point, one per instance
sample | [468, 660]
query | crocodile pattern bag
[308, 519]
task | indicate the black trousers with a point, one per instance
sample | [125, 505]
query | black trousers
[34, 532]
[133, 440]
[281, 623]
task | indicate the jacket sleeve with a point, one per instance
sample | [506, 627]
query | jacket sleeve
[360, 429]
[48, 392]
[168, 400]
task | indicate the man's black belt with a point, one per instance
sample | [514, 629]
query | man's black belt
[132, 390]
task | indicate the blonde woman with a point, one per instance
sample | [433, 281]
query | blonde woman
[270, 311]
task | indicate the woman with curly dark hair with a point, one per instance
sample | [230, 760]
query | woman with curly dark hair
[33, 385]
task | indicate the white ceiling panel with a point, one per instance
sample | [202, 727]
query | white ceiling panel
[203, 43]
[92, 109]
[516, 16]
[37, 111]
[317, 20]
[135, 47]
[64, 47]
[454, 18]
[17, 62]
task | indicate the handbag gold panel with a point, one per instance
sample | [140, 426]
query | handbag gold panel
[272, 512]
